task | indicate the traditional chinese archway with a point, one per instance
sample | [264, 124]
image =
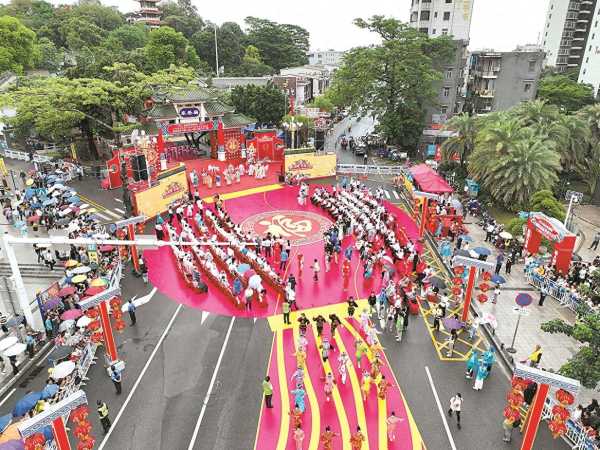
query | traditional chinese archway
[473, 265]
[540, 225]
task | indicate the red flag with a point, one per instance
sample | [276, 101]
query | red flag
[160, 143]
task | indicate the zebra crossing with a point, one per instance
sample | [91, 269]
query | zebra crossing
[393, 197]
[102, 212]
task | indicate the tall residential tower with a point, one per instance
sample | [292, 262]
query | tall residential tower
[440, 17]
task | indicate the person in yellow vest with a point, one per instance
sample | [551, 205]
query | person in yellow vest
[103, 414]
[535, 357]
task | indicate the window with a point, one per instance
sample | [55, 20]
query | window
[443, 109]
[550, 16]
[435, 15]
[595, 24]
[447, 15]
[425, 15]
[544, 43]
[433, 31]
[448, 74]
[527, 87]
[593, 36]
[587, 60]
[532, 65]
[584, 71]
[551, 7]
[444, 31]
[448, 1]
[446, 91]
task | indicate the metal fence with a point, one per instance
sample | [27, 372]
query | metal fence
[576, 435]
[561, 293]
[368, 169]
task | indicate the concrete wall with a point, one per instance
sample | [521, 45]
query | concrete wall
[514, 74]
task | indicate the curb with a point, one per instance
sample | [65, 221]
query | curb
[25, 368]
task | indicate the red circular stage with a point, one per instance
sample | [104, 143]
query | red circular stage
[277, 211]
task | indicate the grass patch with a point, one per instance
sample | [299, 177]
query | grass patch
[501, 215]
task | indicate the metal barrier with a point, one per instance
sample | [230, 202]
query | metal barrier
[23, 156]
[367, 169]
[561, 293]
[576, 434]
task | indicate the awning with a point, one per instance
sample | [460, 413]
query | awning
[428, 180]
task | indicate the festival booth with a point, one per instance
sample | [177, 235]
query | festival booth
[541, 226]
[428, 180]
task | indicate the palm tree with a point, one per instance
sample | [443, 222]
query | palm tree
[591, 167]
[572, 137]
[463, 142]
[500, 135]
[512, 176]
[536, 112]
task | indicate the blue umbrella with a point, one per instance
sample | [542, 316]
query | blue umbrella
[5, 422]
[29, 192]
[26, 404]
[14, 321]
[49, 391]
[49, 202]
[482, 251]
[48, 433]
[73, 199]
[242, 268]
[498, 279]
[68, 194]
[466, 238]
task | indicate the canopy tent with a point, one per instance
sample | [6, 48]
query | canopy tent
[429, 180]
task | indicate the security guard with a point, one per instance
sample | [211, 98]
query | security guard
[103, 413]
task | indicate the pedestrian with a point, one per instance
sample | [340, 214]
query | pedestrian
[286, 308]
[30, 345]
[328, 386]
[509, 263]
[499, 261]
[482, 374]
[392, 423]
[455, 407]
[472, 365]
[131, 310]
[299, 394]
[327, 438]
[496, 294]
[115, 376]
[536, 356]
[13, 363]
[300, 257]
[248, 293]
[298, 436]
[292, 282]
[143, 270]
[103, 414]
[343, 366]
[316, 269]
[267, 387]
[508, 425]
[437, 317]
[283, 259]
[357, 439]
[543, 294]
[595, 241]
[352, 305]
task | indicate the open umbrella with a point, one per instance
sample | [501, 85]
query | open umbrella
[33, 219]
[50, 201]
[51, 303]
[63, 370]
[242, 268]
[437, 282]
[65, 212]
[8, 342]
[106, 248]
[505, 235]
[73, 199]
[255, 282]
[71, 263]
[5, 422]
[94, 290]
[29, 182]
[15, 321]
[466, 238]
[83, 321]
[99, 282]
[26, 404]
[498, 279]
[49, 390]
[452, 323]
[249, 273]
[78, 279]
[71, 314]
[482, 251]
[12, 444]
[80, 270]
[68, 194]
[67, 290]
[65, 325]
[59, 353]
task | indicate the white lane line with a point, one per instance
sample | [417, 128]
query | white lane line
[387, 194]
[119, 211]
[205, 315]
[141, 375]
[210, 386]
[108, 211]
[11, 392]
[102, 215]
[118, 200]
[396, 195]
[441, 410]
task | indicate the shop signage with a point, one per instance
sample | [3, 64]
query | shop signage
[180, 128]
[189, 112]
[547, 228]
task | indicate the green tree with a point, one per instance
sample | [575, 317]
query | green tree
[252, 65]
[127, 37]
[104, 17]
[48, 56]
[17, 45]
[266, 104]
[462, 143]
[590, 171]
[280, 45]
[230, 39]
[323, 102]
[181, 16]
[394, 81]
[564, 92]
[585, 364]
[545, 201]
[32, 13]
[165, 47]
[513, 174]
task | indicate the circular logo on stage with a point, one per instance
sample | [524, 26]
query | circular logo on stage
[298, 226]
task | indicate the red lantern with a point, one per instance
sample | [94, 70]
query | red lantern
[484, 287]
[35, 442]
[486, 276]
[97, 338]
[456, 290]
[93, 326]
[518, 383]
[119, 325]
[115, 303]
[92, 313]
[557, 428]
[457, 280]
[86, 444]
[512, 413]
[79, 415]
[117, 314]
[458, 270]
[482, 298]
[515, 398]
[564, 397]
[82, 430]
[560, 412]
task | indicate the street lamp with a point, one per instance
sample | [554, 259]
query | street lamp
[293, 127]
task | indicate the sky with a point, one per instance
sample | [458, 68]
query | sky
[497, 24]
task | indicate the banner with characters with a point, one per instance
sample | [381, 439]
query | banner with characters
[311, 165]
[155, 200]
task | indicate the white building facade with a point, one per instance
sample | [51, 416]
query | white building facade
[590, 65]
[326, 57]
[442, 17]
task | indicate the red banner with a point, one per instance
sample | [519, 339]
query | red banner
[179, 128]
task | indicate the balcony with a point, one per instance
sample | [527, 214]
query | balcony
[581, 30]
[485, 93]
[579, 38]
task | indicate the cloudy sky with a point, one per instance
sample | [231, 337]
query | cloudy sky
[498, 24]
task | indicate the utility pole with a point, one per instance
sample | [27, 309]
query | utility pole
[216, 50]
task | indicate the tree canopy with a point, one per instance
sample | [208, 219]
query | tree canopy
[265, 104]
[17, 45]
[564, 92]
[393, 81]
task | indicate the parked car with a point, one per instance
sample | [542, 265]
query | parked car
[360, 148]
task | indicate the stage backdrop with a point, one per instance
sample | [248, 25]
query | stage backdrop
[311, 165]
[155, 200]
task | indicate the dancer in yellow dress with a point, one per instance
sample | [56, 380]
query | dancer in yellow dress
[300, 357]
[366, 385]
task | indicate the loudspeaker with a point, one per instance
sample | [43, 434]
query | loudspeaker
[320, 140]
[139, 167]
[281, 178]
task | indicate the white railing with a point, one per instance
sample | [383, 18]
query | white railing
[23, 156]
[366, 169]
[576, 435]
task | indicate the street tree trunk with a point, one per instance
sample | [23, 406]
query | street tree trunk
[86, 128]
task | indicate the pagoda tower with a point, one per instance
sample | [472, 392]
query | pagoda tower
[149, 13]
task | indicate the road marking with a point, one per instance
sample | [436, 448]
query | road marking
[396, 195]
[387, 194]
[108, 211]
[119, 211]
[102, 215]
[12, 391]
[205, 315]
[440, 409]
[284, 424]
[211, 385]
[141, 375]
[118, 200]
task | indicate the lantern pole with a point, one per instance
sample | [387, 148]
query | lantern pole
[473, 265]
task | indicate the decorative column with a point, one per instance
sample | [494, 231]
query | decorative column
[426, 196]
[129, 225]
[473, 265]
[60, 434]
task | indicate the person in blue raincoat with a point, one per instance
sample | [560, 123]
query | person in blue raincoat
[299, 394]
[472, 364]
[482, 374]
[158, 228]
[445, 250]
[489, 358]
[237, 286]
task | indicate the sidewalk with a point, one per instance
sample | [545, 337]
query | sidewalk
[557, 348]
